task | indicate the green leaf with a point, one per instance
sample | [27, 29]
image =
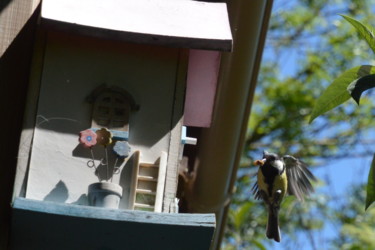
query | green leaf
[241, 213]
[365, 32]
[337, 92]
[357, 87]
[370, 197]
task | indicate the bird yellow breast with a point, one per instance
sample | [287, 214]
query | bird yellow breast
[280, 182]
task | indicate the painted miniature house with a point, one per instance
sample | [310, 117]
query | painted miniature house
[109, 86]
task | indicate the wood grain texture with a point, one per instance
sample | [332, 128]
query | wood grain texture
[13, 16]
[66, 226]
[188, 24]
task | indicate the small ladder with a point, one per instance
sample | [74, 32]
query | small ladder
[149, 186]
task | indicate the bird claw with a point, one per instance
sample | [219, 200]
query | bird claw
[277, 197]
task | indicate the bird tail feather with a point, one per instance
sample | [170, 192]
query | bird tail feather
[273, 230]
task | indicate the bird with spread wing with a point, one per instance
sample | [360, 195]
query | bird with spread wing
[278, 176]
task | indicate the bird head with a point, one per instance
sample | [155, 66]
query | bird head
[273, 160]
[270, 156]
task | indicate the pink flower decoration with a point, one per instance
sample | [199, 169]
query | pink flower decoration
[87, 138]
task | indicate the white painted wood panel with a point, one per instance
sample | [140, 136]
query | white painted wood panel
[75, 66]
[190, 24]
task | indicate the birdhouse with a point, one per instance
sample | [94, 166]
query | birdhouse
[113, 84]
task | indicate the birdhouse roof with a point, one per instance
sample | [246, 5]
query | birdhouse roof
[185, 24]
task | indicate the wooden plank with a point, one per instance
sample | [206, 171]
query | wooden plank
[19, 189]
[175, 146]
[161, 182]
[201, 220]
[202, 78]
[148, 165]
[145, 191]
[188, 24]
[17, 30]
[61, 226]
[134, 183]
[13, 16]
[147, 178]
[142, 205]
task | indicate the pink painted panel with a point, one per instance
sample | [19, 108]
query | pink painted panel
[201, 87]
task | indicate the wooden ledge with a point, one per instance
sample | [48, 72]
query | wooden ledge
[49, 225]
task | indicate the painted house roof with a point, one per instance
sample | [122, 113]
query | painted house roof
[189, 24]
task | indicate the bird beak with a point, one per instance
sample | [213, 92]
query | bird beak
[259, 162]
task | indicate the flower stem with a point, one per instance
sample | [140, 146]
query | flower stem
[106, 161]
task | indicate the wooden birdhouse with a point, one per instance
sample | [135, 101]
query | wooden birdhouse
[103, 134]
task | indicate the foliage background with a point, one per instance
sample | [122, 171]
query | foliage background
[308, 46]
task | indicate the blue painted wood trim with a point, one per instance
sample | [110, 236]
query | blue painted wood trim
[60, 226]
[116, 134]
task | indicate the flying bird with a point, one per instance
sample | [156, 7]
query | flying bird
[278, 176]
